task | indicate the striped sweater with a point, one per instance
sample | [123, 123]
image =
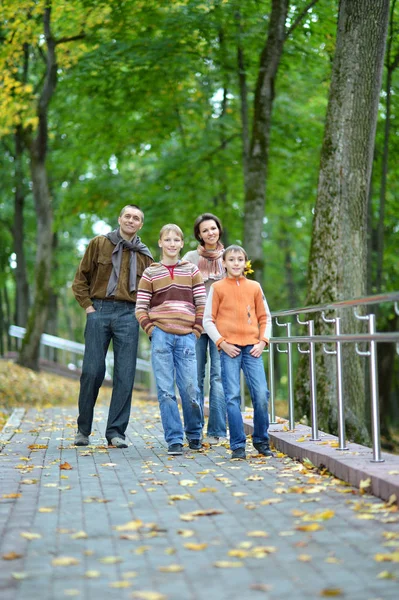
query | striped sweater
[237, 312]
[175, 305]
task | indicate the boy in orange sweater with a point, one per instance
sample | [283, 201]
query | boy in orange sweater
[238, 320]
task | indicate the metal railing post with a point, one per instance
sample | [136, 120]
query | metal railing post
[312, 379]
[340, 396]
[288, 352]
[272, 384]
[375, 409]
[340, 392]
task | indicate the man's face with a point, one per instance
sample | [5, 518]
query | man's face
[130, 222]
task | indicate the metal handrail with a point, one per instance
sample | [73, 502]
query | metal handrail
[378, 299]
[372, 338]
[76, 348]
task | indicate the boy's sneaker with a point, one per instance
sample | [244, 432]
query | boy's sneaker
[195, 444]
[239, 453]
[263, 448]
[117, 442]
[81, 439]
[175, 449]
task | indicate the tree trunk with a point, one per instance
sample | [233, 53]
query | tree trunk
[21, 279]
[256, 170]
[338, 255]
[391, 66]
[29, 355]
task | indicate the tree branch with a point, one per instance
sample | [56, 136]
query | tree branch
[300, 17]
[73, 38]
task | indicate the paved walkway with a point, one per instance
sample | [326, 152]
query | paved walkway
[98, 523]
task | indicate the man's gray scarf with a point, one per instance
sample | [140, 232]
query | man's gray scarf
[136, 245]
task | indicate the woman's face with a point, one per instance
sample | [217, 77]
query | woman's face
[209, 233]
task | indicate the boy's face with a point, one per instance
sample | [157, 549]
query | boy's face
[170, 244]
[234, 263]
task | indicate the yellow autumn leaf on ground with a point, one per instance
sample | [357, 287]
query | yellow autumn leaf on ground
[364, 484]
[29, 481]
[188, 482]
[130, 526]
[65, 466]
[239, 494]
[207, 489]
[175, 497]
[186, 532]
[148, 595]
[64, 561]
[110, 560]
[11, 556]
[11, 495]
[270, 501]
[254, 478]
[393, 557]
[257, 534]
[19, 575]
[120, 584]
[331, 592]
[92, 574]
[302, 439]
[323, 515]
[129, 574]
[386, 575]
[238, 553]
[333, 560]
[109, 464]
[171, 568]
[46, 509]
[141, 549]
[30, 536]
[304, 557]
[79, 535]
[310, 527]
[194, 546]
[37, 446]
[228, 564]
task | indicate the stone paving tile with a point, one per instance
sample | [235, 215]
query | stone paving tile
[78, 513]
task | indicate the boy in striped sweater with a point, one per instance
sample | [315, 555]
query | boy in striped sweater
[170, 306]
[238, 321]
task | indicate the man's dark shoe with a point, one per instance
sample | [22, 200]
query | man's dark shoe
[117, 442]
[195, 444]
[81, 439]
[239, 453]
[263, 448]
[175, 449]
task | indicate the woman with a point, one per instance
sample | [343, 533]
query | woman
[208, 258]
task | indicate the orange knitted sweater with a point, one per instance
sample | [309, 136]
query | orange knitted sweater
[237, 312]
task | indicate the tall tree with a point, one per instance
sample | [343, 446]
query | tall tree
[338, 254]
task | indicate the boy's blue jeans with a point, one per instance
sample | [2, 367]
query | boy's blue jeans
[217, 402]
[173, 356]
[255, 378]
[117, 321]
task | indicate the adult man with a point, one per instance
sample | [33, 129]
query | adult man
[105, 285]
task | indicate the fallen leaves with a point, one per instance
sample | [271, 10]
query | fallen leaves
[210, 512]
[392, 557]
[228, 564]
[11, 556]
[331, 592]
[174, 568]
[65, 466]
[311, 527]
[30, 536]
[195, 547]
[65, 561]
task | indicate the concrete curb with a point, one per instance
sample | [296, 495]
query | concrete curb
[13, 423]
[353, 465]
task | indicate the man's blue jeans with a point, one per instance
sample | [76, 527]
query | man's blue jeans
[173, 356]
[255, 378]
[116, 321]
[217, 402]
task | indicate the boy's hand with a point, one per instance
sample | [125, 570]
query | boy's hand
[257, 349]
[230, 349]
